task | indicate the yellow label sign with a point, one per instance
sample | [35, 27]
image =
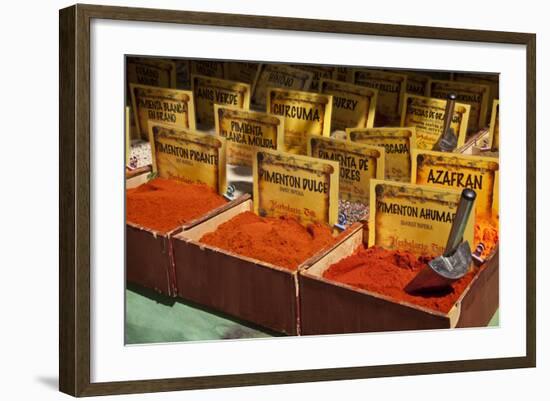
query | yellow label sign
[358, 165]
[241, 72]
[188, 156]
[278, 76]
[342, 74]
[492, 80]
[151, 71]
[168, 106]
[183, 74]
[476, 95]
[494, 127]
[397, 144]
[247, 131]
[427, 115]
[454, 170]
[391, 91]
[417, 84]
[303, 113]
[319, 72]
[353, 106]
[205, 68]
[295, 185]
[209, 91]
[414, 218]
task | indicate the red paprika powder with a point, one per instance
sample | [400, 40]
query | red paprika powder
[387, 273]
[280, 241]
[164, 205]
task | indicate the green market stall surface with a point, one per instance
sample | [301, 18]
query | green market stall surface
[154, 318]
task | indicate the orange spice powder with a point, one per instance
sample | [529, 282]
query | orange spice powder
[164, 205]
[486, 232]
[280, 241]
[388, 272]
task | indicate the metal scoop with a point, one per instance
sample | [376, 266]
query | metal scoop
[448, 140]
[457, 257]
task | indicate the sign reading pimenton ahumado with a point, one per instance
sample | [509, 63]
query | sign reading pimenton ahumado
[353, 106]
[163, 105]
[210, 91]
[397, 143]
[458, 171]
[188, 156]
[414, 218]
[427, 116]
[246, 132]
[358, 165]
[295, 185]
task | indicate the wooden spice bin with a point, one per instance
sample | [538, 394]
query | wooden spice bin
[149, 255]
[330, 307]
[246, 288]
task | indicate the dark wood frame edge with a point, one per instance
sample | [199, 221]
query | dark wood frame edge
[74, 197]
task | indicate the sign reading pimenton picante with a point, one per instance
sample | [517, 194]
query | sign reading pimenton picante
[163, 105]
[300, 186]
[246, 132]
[303, 113]
[358, 164]
[415, 218]
[397, 143]
[188, 156]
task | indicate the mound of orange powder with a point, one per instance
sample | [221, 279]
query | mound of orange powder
[164, 205]
[388, 272]
[280, 241]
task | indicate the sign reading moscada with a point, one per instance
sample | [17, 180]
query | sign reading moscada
[476, 95]
[188, 156]
[454, 170]
[391, 90]
[300, 186]
[278, 76]
[247, 131]
[358, 165]
[151, 71]
[353, 106]
[414, 218]
[303, 114]
[397, 143]
[168, 106]
[427, 115]
[209, 91]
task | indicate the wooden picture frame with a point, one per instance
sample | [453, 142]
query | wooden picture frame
[74, 199]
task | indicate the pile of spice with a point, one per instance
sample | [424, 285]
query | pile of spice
[354, 211]
[388, 272]
[486, 232]
[163, 205]
[280, 241]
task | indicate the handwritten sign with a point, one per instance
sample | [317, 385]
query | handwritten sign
[427, 116]
[391, 91]
[188, 156]
[491, 80]
[168, 106]
[417, 84]
[319, 72]
[183, 74]
[278, 76]
[241, 72]
[414, 218]
[246, 132]
[342, 74]
[358, 165]
[494, 126]
[476, 95]
[454, 170]
[295, 185]
[151, 71]
[353, 106]
[207, 68]
[210, 91]
[397, 143]
[303, 114]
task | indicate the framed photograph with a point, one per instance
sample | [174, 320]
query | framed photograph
[249, 200]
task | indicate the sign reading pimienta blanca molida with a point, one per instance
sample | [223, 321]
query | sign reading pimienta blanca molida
[427, 115]
[353, 106]
[397, 143]
[163, 105]
[246, 131]
[454, 170]
[188, 156]
[303, 113]
[358, 164]
[208, 91]
[415, 218]
[296, 185]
